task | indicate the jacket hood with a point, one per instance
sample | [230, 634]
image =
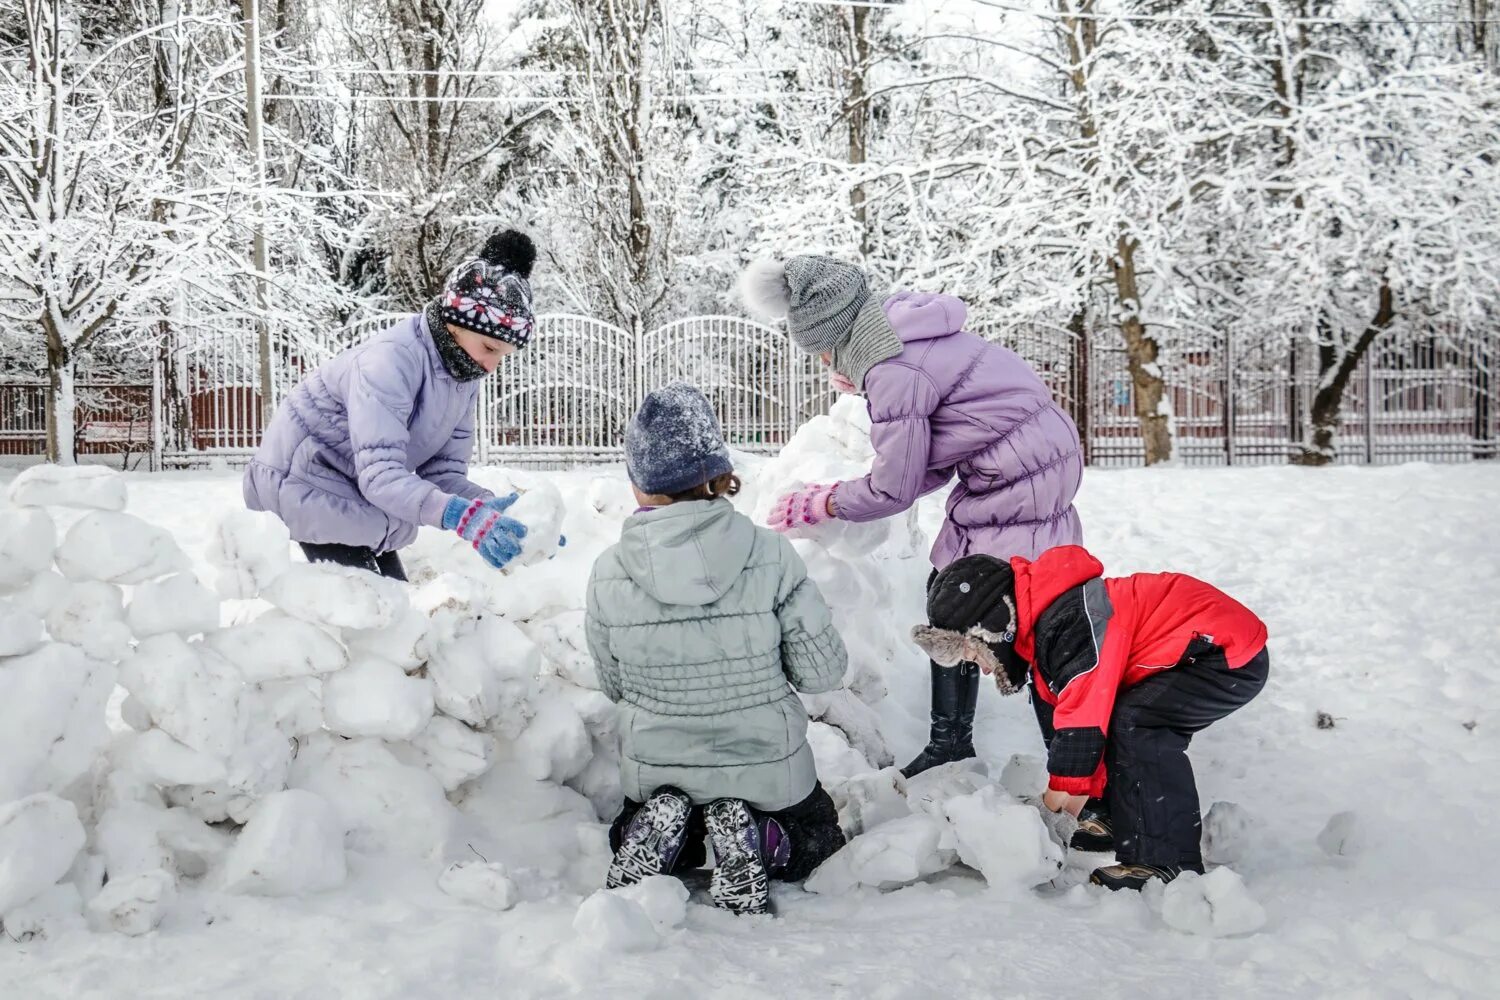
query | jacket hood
[925, 315]
[687, 553]
[1044, 580]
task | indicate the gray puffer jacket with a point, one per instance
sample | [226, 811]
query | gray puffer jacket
[701, 624]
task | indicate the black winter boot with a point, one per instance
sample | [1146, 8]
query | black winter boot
[740, 882]
[653, 839]
[955, 693]
[1096, 832]
[1135, 876]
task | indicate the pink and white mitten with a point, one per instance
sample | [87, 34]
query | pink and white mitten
[802, 508]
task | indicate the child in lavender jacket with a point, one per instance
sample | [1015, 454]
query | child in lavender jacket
[943, 403]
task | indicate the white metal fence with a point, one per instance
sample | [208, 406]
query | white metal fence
[567, 398]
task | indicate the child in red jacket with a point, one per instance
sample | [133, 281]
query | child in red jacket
[1124, 671]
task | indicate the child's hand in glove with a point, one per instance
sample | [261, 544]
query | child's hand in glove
[802, 508]
[497, 538]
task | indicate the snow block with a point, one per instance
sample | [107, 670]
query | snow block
[1227, 832]
[663, 897]
[178, 603]
[400, 642]
[118, 548]
[611, 922]
[135, 905]
[376, 698]
[541, 509]
[52, 718]
[40, 835]
[894, 854]
[1341, 836]
[868, 800]
[1004, 840]
[191, 692]
[1212, 905]
[293, 844]
[250, 550]
[56, 910]
[484, 673]
[276, 646]
[45, 591]
[20, 630]
[28, 541]
[555, 745]
[91, 486]
[448, 750]
[91, 616]
[1024, 776]
[384, 806]
[337, 596]
[296, 704]
[483, 884]
[161, 760]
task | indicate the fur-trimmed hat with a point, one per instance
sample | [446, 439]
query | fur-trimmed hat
[971, 610]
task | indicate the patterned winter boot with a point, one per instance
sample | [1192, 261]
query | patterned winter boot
[653, 839]
[1133, 876]
[740, 881]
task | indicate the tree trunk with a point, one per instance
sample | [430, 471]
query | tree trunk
[857, 113]
[1334, 373]
[1149, 388]
[62, 402]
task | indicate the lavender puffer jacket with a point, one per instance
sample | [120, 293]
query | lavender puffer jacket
[369, 446]
[952, 402]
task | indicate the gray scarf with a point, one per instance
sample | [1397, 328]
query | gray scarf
[871, 340]
[455, 359]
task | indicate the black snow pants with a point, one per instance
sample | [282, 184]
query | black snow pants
[1151, 798]
[812, 827]
[386, 564]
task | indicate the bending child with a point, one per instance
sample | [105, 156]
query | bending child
[1123, 672]
[702, 625]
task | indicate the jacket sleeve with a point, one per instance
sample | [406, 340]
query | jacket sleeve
[1082, 658]
[812, 652]
[597, 634]
[382, 391]
[448, 470]
[902, 399]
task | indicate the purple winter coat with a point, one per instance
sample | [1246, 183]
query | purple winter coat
[369, 446]
[952, 402]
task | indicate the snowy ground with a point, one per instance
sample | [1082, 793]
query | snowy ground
[1378, 586]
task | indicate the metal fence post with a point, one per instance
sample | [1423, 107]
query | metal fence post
[1369, 360]
[156, 411]
[1229, 396]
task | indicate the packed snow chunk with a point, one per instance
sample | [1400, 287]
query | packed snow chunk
[28, 540]
[401, 642]
[56, 910]
[52, 718]
[135, 905]
[931, 790]
[69, 486]
[448, 750]
[868, 800]
[92, 617]
[191, 692]
[385, 807]
[1341, 837]
[376, 698]
[893, 854]
[836, 758]
[178, 604]
[20, 630]
[134, 714]
[249, 550]
[293, 844]
[555, 745]
[1004, 840]
[1227, 831]
[40, 835]
[338, 596]
[1024, 776]
[486, 884]
[663, 897]
[541, 509]
[45, 591]
[487, 670]
[296, 704]
[118, 548]
[611, 922]
[276, 646]
[1212, 905]
[162, 760]
[261, 759]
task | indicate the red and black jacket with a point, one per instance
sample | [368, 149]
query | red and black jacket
[1088, 637]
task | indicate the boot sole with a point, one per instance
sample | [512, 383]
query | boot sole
[641, 858]
[740, 882]
[1092, 843]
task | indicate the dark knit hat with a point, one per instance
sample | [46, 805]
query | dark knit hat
[971, 610]
[674, 442]
[491, 294]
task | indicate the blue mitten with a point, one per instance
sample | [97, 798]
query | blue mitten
[497, 538]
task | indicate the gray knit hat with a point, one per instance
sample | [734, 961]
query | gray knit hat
[819, 297]
[674, 442]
